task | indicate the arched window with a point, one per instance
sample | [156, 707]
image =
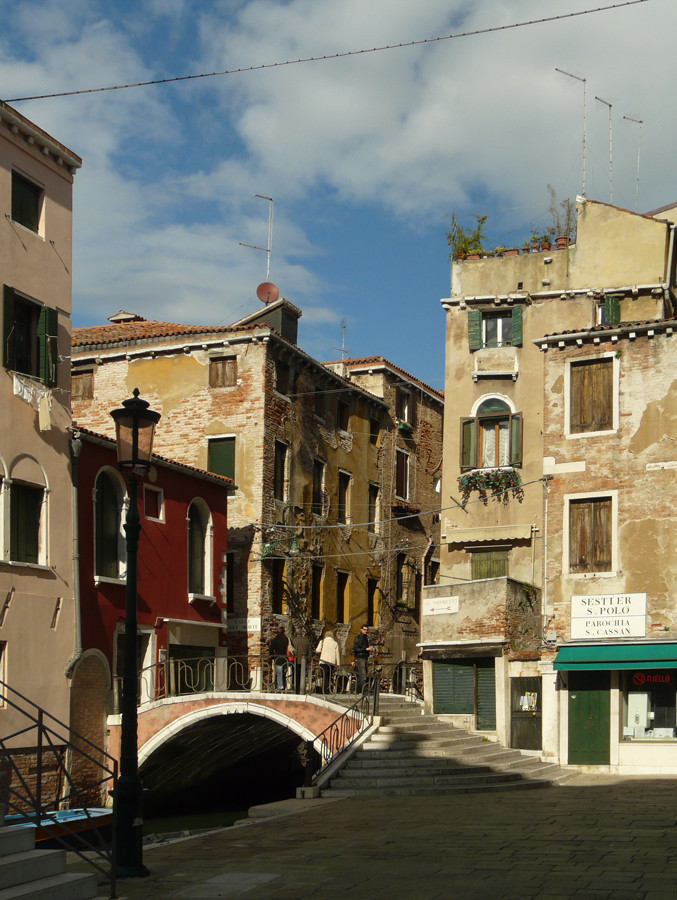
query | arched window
[493, 437]
[108, 542]
[199, 580]
[27, 512]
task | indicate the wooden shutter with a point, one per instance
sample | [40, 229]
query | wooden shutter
[516, 439]
[516, 340]
[401, 485]
[489, 564]
[591, 396]
[474, 329]
[468, 457]
[453, 688]
[7, 326]
[196, 552]
[221, 457]
[590, 529]
[47, 345]
[107, 528]
[25, 508]
[486, 697]
[612, 309]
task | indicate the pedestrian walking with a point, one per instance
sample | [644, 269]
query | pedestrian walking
[361, 651]
[330, 657]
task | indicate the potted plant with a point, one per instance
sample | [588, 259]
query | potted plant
[465, 242]
[500, 483]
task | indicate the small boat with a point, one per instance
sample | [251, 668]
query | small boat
[63, 826]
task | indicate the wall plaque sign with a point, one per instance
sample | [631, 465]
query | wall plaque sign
[608, 616]
[437, 606]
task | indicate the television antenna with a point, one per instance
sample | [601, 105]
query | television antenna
[611, 183]
[343, 340]
[639, 122]
[269, 246]
[584, 80]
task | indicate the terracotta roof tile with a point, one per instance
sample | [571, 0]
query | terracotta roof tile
[139, 330]
[359, 362]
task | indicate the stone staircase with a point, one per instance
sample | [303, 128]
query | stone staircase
[27, 873]
[416, 754]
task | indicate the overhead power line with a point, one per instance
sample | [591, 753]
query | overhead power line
[328, 56]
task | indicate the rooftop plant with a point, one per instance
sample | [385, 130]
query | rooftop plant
[465, 240]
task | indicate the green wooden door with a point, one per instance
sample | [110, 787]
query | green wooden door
[589, 718]
[453, 688]
[486, 695]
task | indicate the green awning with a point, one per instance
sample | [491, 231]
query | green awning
[616, 656]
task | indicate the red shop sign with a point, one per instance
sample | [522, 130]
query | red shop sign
[647, 679]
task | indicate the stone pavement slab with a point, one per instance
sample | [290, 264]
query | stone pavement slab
[612, 838]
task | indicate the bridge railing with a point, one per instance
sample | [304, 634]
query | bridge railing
[177, 677]
[46, 768]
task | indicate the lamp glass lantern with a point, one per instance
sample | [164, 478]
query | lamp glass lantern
[134, 432]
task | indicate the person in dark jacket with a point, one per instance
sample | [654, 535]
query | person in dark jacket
[361, 651]
[278, 652]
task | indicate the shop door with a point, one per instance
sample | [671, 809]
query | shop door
[589, 718]
[453, 688]
[486, 695]
[525, 714]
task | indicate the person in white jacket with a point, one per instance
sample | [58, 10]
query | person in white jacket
[330, 657]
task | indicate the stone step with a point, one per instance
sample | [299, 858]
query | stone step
[68, 886]
[436, 769]
[14, 840]
[27, 865]
[433, 791]
[346, 781]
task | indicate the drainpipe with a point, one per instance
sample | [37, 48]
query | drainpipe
[75, 445]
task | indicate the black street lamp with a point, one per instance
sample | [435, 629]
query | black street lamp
[134, 430]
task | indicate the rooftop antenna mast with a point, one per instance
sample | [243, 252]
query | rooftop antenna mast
[584, 80]
[640, 122]
[343, 340]
[269, 246]
[611, 182]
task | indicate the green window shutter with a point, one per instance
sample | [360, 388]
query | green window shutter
[612, 308]
[7, 326]
[517, 326]
[107, 528]
[221, 457]
[47, 345]
[516, 439]
[467, 443]
[474, 329]
[196, 551]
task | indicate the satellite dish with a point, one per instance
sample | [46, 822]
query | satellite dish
[267, 292]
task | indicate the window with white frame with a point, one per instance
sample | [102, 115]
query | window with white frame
[153, 503]
[491, 438]
[590, 533]
[495, 328]
[199, 550]
[404, 406]
[317, 502]
[591, 395]
[280, 471]
[29, 337]
[27, 513]
[401, 474]
[373, 513]
[27, 202]
[109, 542]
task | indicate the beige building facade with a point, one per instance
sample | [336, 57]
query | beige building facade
[524, 431]
[38, 609]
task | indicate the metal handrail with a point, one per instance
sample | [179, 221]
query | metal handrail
[64, 748]
[177, 677]
[342, 732]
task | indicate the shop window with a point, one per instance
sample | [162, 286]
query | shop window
[492, 438]
[27, 200]
[373, 508]
[401, 475]
[29, 337]
[372, 602]
[223, 371]
[26, 512]
[649, 705]
[488, 564]
[591, 395]
[495, 328]
[280, 474]
[109, 541]
[82, 385]
[343, 505]
[342, 602]
[317, 504]
[590, 535]
[198, 550]
[221, 457]
[316, 593]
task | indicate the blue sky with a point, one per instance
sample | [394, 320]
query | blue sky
[365, 156]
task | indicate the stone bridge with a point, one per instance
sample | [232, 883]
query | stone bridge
[185, 739]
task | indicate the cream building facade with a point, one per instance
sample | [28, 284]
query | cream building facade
[543, 404]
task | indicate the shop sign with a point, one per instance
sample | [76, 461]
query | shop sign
[436, 606]
[608, 616]
[651, 679]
